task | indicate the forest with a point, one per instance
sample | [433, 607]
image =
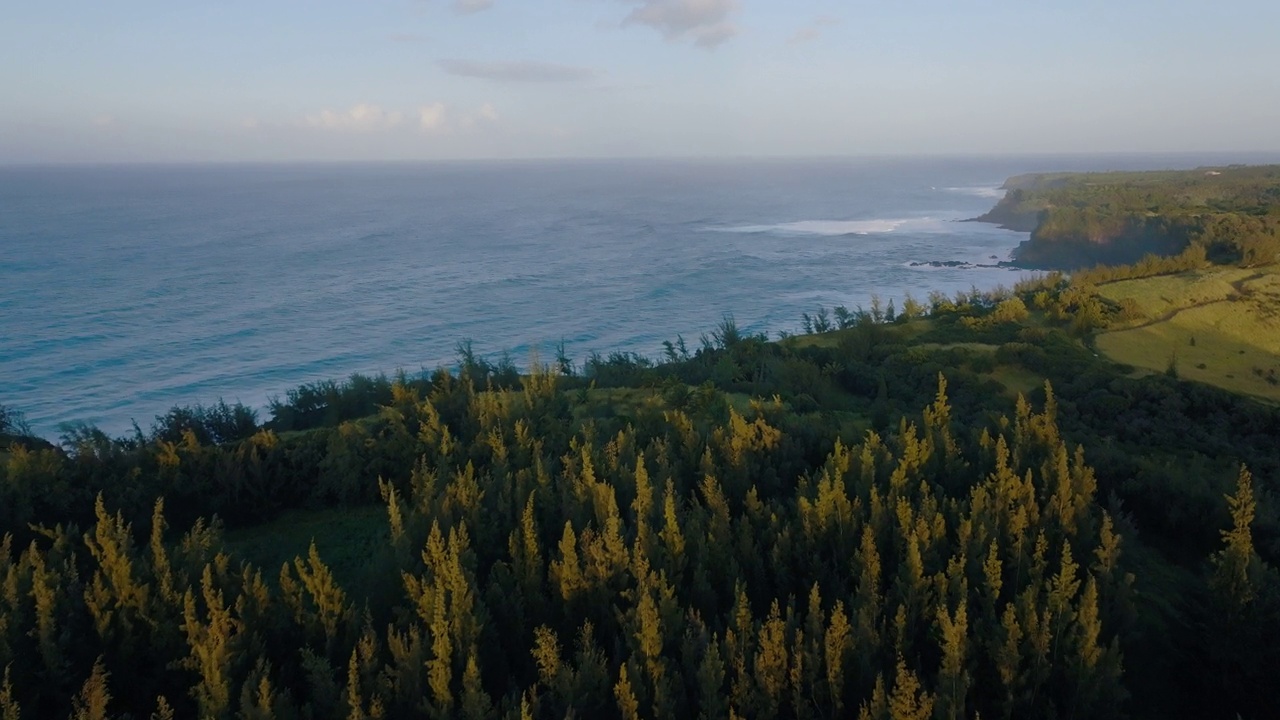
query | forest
[951, 509]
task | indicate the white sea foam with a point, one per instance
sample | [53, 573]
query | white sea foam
[842, 227]
[985, 191]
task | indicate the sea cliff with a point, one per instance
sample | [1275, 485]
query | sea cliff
[1080, 220]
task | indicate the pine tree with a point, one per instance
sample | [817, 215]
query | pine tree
[1009, 658]
[628, 705]
[1062, 592]
[9, 708]
[527, 562]
[1087, 651]
[992, 577]
[711, 697]
[440, 666]
[672, 538]
[837, 645]
[771, 663]
[642, 506]
[257, 697]
[476, 704]
[953, 679]
[566, 572]
[91, 703]
[318, 603]
[403, 675]
[48, 592]
[1232, 579]
[210, 647]
[163, 710]
[909, 700]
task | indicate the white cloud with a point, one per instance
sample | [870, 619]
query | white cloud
[530, 71]
[483, 116]
[435, 118]
[466, 7]
[360, 118]
[707, 22]
[432, 118]
[439, 119]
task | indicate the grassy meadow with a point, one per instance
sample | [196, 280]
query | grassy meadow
[345, 537]
[1218, 326]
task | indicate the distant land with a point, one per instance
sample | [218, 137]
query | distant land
[1080, 220]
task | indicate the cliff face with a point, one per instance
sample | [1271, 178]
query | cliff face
[1074, 237]
[1048, 251]
[1013, 213]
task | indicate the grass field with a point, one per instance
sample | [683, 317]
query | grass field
[346, 539]
[1220, 327]
[612, 402]
[1017, 380]
[1159, 296]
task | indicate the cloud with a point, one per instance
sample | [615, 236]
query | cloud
[707, 22]
[438, 119]
[103, 121]
[467, 7]
[435, 118]
[360, 118]
[483, 116]
[813, 30]
[527, 71]
[432, 118]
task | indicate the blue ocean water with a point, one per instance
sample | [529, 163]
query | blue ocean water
[127, 290]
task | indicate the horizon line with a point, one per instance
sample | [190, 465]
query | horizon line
[835, 157]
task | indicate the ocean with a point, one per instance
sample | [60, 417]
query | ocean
[126, 290]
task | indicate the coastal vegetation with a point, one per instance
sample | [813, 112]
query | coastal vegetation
[985, 504]
[1078, 220]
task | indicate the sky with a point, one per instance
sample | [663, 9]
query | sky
[291, 80]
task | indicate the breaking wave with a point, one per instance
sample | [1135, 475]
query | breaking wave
[984, 191]
[832, 228]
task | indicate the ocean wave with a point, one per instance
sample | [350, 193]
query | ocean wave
[833, 228]
[985, 191]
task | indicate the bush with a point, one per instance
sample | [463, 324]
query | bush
[983, 363]
[12, 422]
[213, 425]
[1010, 311]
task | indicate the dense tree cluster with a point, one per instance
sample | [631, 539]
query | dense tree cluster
[692, 559]
[679, 567]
